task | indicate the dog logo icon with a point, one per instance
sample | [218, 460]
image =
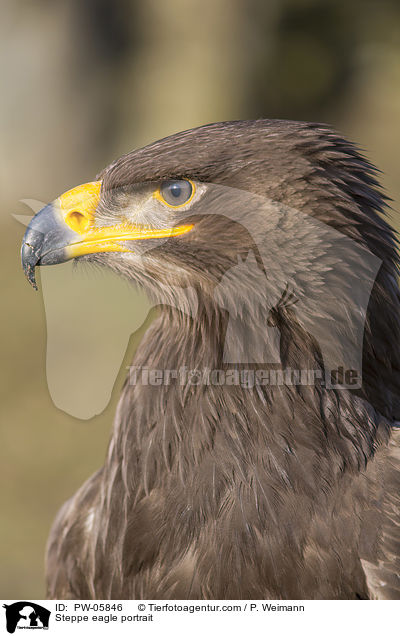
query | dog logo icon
[26, 615]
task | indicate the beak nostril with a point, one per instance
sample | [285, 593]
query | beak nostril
[77, 221]
[78, 206]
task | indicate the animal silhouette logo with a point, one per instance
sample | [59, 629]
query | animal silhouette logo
[26, 615]
[90, 317]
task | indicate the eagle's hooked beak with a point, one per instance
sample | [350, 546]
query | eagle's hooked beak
[65, 229]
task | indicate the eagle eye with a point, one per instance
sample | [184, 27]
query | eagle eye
[175, 193]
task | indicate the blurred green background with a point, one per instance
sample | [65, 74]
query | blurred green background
[84, 81]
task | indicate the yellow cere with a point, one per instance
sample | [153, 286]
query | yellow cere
[79, 205]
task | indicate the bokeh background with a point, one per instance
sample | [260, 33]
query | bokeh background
[84, 81]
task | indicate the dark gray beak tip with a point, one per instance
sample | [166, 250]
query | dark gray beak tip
[44, 241]
[42, 226]
[29, 261]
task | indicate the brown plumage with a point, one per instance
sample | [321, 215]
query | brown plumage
[228, 492]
